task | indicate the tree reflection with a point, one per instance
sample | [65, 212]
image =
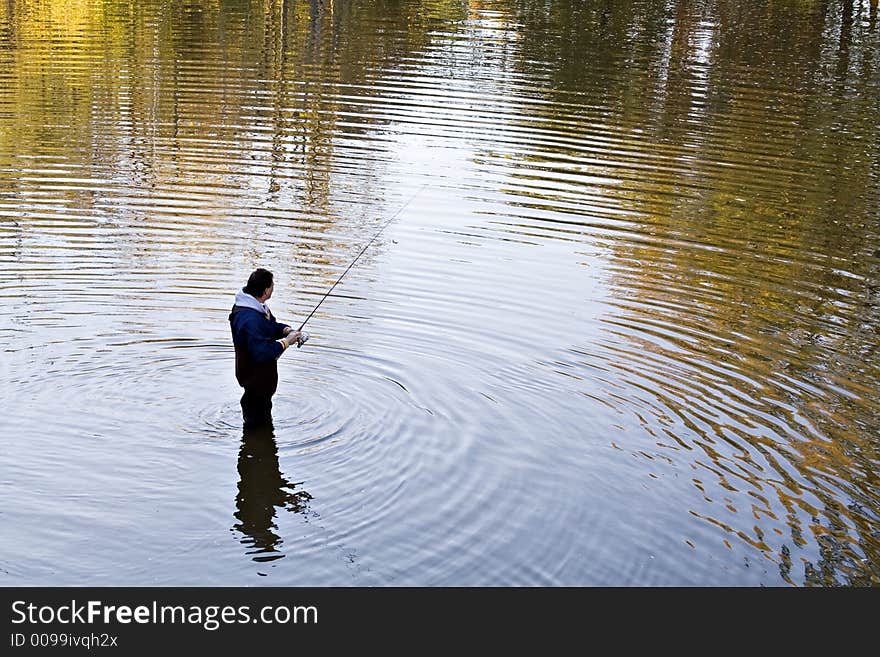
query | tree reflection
[755, 204]
[262, 490]
[226, 93]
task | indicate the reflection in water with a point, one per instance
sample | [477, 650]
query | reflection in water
[261, 490]
[743, 297]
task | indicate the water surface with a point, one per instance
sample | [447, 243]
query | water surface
[623, 329]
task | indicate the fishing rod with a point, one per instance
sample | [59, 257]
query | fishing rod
[366, 246]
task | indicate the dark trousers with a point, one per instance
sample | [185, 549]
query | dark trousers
[256, 407]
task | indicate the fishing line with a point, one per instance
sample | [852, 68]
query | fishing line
[366, 246]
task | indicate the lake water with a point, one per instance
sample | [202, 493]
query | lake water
[620, 329]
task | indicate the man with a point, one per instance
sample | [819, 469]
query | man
[259, 340]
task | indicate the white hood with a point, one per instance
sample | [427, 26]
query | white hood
[242, 298]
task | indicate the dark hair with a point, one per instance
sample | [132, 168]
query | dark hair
[258, 282]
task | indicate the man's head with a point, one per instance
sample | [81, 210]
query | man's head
[260, 285]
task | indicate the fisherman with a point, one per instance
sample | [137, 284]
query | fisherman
[259, 340]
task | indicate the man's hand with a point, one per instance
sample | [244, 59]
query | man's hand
[296, 337]
[291, 336]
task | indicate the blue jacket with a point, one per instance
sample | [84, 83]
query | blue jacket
[257, 349]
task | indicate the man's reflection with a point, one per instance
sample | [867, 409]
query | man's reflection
[262, 489]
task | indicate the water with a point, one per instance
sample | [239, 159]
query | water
[625, 332]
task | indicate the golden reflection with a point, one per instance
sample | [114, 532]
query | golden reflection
[738, 245]
[198, 94]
